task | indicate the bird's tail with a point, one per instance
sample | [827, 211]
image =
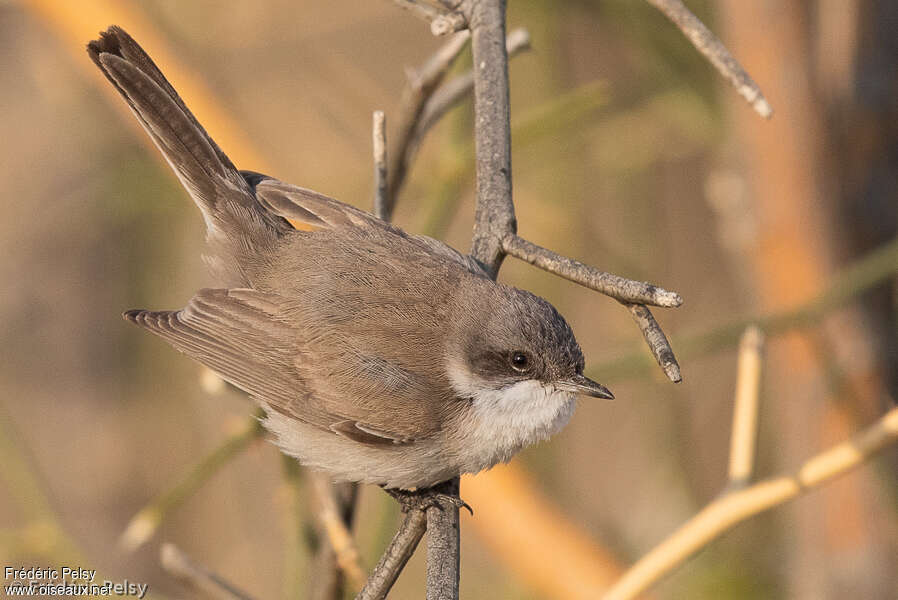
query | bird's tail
[234, 219]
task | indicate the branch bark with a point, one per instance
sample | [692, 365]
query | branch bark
[620, 288]
[381, 184]
[443, 551]
[397, 554]
[657, 341]
[494, 216]
[442, 21]
[421, 84]
[713, 49]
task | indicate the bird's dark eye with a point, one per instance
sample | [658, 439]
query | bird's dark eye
[520, 361]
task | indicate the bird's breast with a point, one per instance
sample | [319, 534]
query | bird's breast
[501, 422]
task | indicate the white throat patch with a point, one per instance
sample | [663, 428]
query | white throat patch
[506, 420]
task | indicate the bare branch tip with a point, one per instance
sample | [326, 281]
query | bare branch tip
[668, 299]
[448, 23]
[672, 370]
[753, 338]
[518, 39]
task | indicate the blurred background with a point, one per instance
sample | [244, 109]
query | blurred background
[630, 153]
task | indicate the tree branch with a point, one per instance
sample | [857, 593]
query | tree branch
[494, 216]
[455, 90]
[442, 21]
[443, 540]
[381, 185]
[441, 99]
[394, 558]
[713, 49]
[619, 288]
[420, 84]
[873, 269]
[657, 341]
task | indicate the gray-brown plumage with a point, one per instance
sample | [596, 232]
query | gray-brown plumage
[379, 356]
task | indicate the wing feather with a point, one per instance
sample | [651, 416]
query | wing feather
[245, 336]
[321, 212]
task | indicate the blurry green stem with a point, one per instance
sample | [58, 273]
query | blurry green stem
[145, 523]
[864, 274]
[43, 534]
[16, 473]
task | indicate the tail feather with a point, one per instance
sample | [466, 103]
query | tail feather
[117, 42]
[236, 223]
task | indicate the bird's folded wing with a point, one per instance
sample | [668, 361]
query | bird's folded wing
[243, 335]
[321, 212]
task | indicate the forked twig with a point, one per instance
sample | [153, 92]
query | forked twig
[420, 84]
[737, 502]
[713, 49]
[451, 92]
[442, 21]
[633, 294]
[737, 505]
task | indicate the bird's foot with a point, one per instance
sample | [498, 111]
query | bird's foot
[433, 497]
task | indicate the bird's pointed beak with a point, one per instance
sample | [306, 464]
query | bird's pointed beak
[580, 384]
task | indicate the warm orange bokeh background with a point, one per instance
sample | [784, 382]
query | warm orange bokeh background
[661, 174]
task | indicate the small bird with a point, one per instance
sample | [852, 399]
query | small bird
[378, 356]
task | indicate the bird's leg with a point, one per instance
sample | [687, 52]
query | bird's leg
[424, 498]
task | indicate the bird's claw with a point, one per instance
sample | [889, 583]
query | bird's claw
[422, 499]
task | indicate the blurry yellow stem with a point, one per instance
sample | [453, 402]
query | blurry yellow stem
[736, 506]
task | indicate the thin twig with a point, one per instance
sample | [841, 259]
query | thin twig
[421, 83]
[347, 554]
[442, 99]
[873, 269]
[713, 49]
[329, 582]
[458, 88]
[442, 21]
[379, 135]
[633, 294]
[736, 506]
[178, 564]
[397, 554]
[745, 411]
[656, 340]
[619, 288]
[145, 523]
